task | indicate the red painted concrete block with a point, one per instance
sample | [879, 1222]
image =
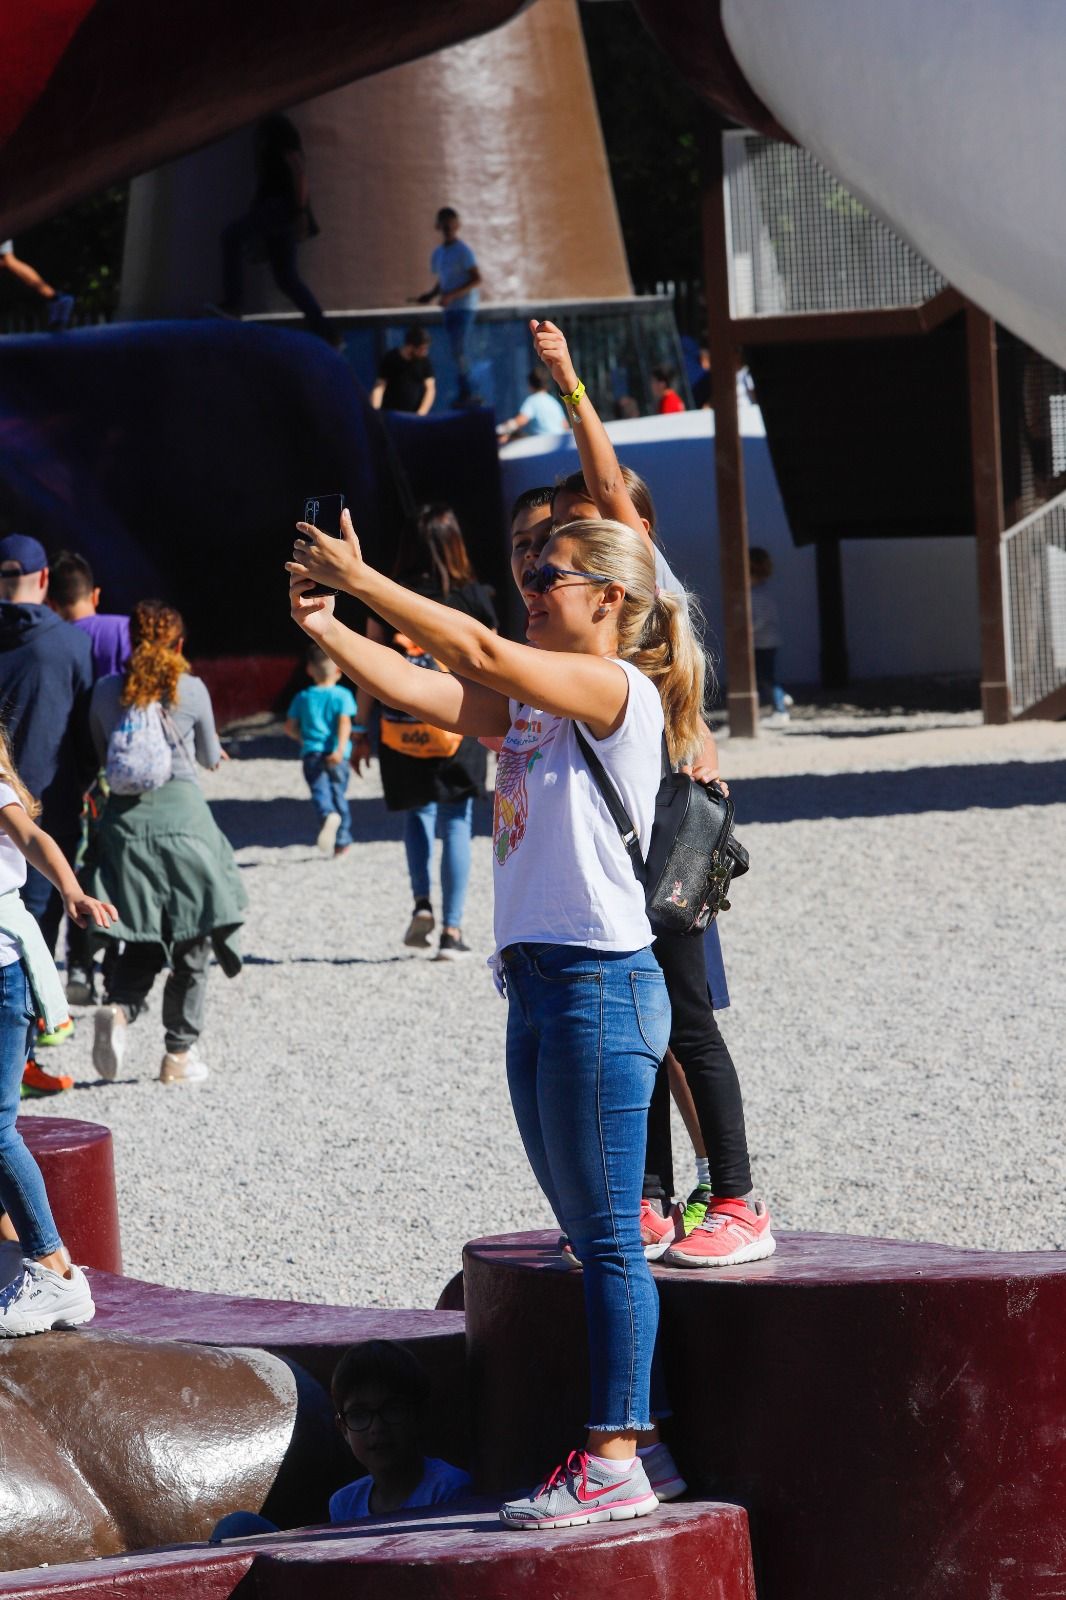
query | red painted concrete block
[892, 1415]
[77, 1161]
[697, 1551]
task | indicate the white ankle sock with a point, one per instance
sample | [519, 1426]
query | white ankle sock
[703, 1170]
[621, 1469]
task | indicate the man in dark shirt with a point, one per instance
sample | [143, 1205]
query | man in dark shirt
[46, 675]
[405, 379]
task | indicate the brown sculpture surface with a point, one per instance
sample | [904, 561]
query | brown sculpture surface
[111, 1443]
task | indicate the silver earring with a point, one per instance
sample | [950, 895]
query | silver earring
[601, 611]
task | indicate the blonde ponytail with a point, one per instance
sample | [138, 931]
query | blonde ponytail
[9, 775]
[657, 632]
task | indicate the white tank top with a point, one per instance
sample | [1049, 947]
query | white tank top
[561, 872]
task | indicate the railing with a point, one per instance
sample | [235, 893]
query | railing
[1033, 554]
[798, 241]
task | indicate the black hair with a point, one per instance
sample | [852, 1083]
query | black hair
[416, 335]
[531, 499]
[664, 372]
[538, 378]
[380, 1361]
[70, 578]
[447, 214]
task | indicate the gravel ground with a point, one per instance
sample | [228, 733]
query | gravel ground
[897, 960]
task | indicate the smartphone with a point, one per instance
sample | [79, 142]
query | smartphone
[324, 510]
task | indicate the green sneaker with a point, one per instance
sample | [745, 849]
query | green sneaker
[696, 1207]
[58, 1035]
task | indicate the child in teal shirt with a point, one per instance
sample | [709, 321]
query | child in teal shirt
[321, 718]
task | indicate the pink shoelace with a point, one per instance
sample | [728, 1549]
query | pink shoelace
[577, 1459]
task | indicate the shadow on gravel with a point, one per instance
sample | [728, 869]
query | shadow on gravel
[325, 961]
[284, 821]
[811, 797]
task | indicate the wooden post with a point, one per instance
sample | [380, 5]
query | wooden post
[742, 700]
[987, 477]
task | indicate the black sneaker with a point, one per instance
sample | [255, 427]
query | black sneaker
[420, 926]
[451, 946]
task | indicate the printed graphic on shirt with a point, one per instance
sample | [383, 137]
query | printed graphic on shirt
[524, 746]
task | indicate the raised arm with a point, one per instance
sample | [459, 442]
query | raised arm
[586, 687]
[380, 672]
[599, 464]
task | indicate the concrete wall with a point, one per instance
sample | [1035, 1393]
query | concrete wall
[504, 128]
[911, 604]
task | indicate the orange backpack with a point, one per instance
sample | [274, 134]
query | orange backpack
[402, 732]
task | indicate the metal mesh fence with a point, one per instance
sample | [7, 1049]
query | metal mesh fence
[800, 242]
[1034, 604]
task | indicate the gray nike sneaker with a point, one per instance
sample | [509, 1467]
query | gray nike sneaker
[581, 1490]
[38, 1299]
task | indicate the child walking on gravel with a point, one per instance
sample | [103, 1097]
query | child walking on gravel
[48, 1291]
[322, 719]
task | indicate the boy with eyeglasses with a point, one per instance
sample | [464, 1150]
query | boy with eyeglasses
[380, 1392]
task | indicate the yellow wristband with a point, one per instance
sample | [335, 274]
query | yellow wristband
[575, 398]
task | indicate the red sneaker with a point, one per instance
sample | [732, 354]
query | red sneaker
[35, 1082]
[657, 1233]
[732, 1232]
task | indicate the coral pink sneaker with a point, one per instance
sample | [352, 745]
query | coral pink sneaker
[732, 1232]
[657, 1233]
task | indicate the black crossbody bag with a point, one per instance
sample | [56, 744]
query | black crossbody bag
[694, 855]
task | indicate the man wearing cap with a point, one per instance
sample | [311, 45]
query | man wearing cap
[46, 675]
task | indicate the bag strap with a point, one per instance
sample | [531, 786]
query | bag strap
[615, 805]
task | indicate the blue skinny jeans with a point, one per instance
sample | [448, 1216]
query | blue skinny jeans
[586, 1030]
[458, 322]
[455, 821]
[329, 791]
[22, 1192]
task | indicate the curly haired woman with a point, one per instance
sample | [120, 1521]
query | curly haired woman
[168, 868]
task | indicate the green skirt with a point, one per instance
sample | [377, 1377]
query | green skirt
[165, 864]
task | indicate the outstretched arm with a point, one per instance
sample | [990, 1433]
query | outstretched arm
[599, 464]
[586, 687]
[436, 697]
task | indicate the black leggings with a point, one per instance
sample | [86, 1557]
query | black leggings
[697, 1043]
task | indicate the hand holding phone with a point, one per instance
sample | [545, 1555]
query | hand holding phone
[323, 511]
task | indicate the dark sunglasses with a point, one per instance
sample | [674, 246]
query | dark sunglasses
[546, 576]
[359, 1418]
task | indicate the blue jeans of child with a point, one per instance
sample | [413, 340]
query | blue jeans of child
[455, 819]
[458, 322]
[329, 791]
[22, 1192]
[586, 1030]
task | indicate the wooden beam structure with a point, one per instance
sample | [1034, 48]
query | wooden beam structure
[988, 515]
[742, 698]
[822, 327]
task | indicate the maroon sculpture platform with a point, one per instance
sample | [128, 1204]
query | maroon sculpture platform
[453, 1554]
[77, 1162]
[893, 1415]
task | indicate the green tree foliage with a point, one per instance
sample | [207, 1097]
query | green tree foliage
[649, 119]
[78, 252]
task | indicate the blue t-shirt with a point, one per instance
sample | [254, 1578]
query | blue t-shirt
[451, 265]
[440, 1483]
[545, 413]
[318, 710]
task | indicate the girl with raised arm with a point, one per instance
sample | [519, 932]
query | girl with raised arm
[724, 1223]
[589, 1017]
